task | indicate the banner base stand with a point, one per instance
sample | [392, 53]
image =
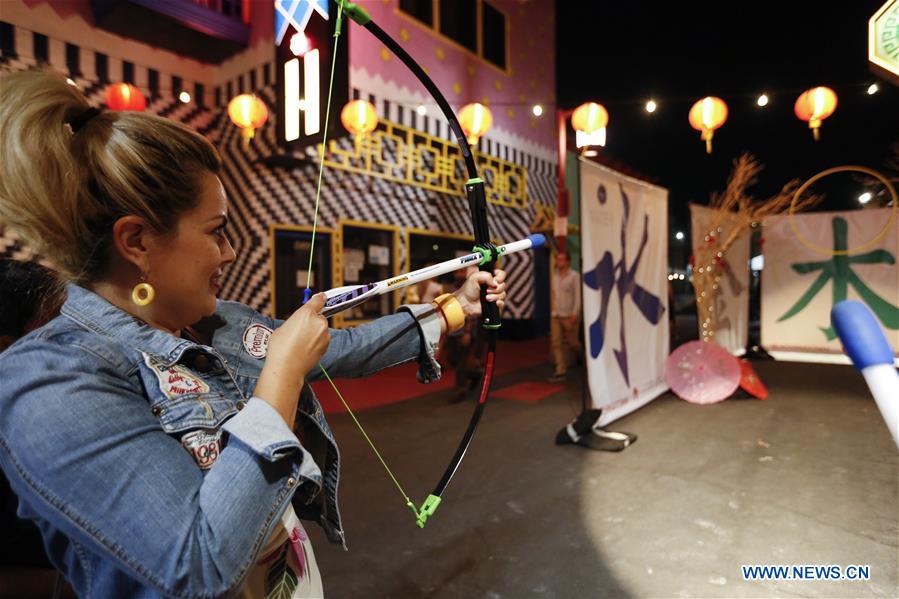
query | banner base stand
[585, 431]
[757, 352]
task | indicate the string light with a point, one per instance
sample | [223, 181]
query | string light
[300, 44]
[184, 97]
[865, 198]
[679, 235]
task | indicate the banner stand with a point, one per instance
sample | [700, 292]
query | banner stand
[624, 257]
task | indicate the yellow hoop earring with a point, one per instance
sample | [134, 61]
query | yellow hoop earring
[148, 294]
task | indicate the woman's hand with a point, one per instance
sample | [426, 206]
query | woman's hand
[294, 349]
[303, 338]
[469, 295]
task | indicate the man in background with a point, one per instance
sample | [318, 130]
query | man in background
[566, 317]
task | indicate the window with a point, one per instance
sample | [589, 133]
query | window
[493, 25]
[290, 249]
[423, 10]
[73, 60]
[101, 67]
[128, 72]
[459, 22]
[200, 95]
[7, 39]
[153, 82]
[230, 8]
[41, 47]
[369, 255]
[475, 25]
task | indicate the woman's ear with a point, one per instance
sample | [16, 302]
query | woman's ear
[132, 239]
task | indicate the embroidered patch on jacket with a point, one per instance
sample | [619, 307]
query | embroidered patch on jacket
[176, 380]
[255, 340]
[204, 445]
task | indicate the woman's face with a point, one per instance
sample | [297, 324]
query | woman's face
[186, 266]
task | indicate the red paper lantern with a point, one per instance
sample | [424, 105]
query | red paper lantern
[589, 121]
[124, 96]
[814, 106]
[707, 115]
[589, 117]
[249, 113]
[359, 117]
[475, 120]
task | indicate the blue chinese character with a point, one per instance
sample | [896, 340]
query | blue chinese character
[610, 275]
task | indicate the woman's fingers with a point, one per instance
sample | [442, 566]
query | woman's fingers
[495, 283]
[316, 303]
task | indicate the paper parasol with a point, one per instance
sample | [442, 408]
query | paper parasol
[702, 372]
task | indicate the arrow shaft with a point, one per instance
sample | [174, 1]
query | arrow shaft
[343, 298]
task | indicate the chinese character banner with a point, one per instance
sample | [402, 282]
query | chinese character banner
[624, 228]
[824, 258]
[730, 316]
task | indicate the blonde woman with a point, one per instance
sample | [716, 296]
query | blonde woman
[151, 430]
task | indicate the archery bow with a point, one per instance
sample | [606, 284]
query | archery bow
[477, 202]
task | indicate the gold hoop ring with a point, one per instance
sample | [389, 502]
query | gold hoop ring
[148, 291]
[839, 169]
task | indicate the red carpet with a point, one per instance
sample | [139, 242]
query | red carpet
[528, 391]
[399, 383]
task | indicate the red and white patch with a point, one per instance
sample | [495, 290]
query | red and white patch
[176, 380]
[255, 340]
[205, 446]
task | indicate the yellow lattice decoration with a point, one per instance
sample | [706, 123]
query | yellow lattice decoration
[544, 219]
[405, 155]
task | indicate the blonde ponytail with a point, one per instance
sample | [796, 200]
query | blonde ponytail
[62, 190]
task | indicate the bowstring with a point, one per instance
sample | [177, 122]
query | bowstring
[318, 190]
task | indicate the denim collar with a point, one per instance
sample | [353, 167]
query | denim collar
[96, 314]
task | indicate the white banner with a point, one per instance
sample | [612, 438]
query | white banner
[827, 257]
[731, 314]
[624, 245]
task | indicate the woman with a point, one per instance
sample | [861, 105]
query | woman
[149, 430]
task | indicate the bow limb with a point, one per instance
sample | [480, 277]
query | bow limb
[477, 202]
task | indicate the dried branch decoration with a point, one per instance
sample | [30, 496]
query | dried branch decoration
[739, 211]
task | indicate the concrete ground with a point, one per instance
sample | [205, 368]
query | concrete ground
[808, 477]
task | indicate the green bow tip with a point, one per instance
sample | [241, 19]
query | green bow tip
[356, 12]
[427, 509]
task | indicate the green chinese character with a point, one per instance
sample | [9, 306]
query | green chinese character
[839, 268]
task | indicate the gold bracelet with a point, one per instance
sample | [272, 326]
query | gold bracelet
[452, 312]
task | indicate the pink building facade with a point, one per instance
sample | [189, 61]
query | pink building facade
[372, 222]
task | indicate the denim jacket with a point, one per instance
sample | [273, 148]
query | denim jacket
[144, 458]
